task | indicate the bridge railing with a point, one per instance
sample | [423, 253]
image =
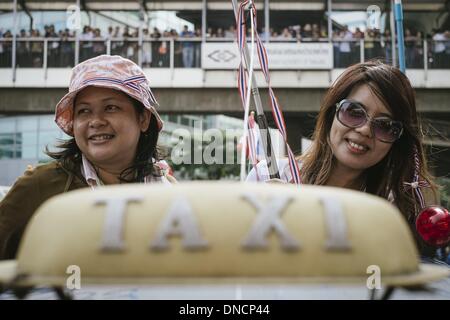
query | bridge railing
[187, 52]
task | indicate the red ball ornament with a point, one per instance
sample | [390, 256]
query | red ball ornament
[433, 225]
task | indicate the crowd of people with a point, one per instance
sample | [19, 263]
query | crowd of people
[156, 45]
[124, 42]
[307, 32]
[379, 45]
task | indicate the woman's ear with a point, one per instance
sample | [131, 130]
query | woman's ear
[144, 120]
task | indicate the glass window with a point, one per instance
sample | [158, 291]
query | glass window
[173, 118]
[47, 123]
[29, 138]
[29, 152]
[6, 151]
[47, 138]
[6, 138]
[7, 125]
[27, 123]
[185, 121]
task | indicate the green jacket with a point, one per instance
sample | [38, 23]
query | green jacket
[27, 194]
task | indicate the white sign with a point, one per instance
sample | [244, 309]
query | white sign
[283, 56]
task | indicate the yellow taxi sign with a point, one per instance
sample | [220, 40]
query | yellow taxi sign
[214, 232]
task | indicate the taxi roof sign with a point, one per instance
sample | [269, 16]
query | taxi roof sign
[211, 232]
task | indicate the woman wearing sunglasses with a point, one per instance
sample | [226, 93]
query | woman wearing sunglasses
[366, 138]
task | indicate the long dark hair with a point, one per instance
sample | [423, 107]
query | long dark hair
[146, 155]
[393, 88]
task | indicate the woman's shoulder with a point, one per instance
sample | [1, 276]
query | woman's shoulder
[37, 184]
[30, 188]
[45, 170]
[49, 175]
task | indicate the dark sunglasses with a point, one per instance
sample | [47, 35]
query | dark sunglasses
[352, 114]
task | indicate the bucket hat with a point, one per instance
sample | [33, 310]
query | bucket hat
[106, 71]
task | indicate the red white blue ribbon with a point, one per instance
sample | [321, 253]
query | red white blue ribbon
[417, 184]
[252, 140]
[134, 83]
[277, 113]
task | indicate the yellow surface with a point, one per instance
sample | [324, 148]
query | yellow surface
[67, 230]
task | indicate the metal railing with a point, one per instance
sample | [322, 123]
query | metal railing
[186, 53]
[67, 52]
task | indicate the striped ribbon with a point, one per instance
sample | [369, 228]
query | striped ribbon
[134, 83]
[277, 113]
[241, 34]
[417, 184]
[252, 138]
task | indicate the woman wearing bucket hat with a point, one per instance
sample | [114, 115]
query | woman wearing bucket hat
[368, 138]
[110, 114]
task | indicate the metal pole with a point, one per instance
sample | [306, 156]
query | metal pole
[261, 118]
[361, 51]
[330, 24]
[140, 42]
[38, 135]
[13, 52]
[401, 41]
[425, 58]
[172, 57]
[393, 42]
[204, 8]
[267, 19]
[77, 48]
[330, 37]
[16, 136]
[143, 22]
[77, 39]
[45, 58]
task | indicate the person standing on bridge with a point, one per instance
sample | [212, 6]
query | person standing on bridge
[366, 138]
[109, 113]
